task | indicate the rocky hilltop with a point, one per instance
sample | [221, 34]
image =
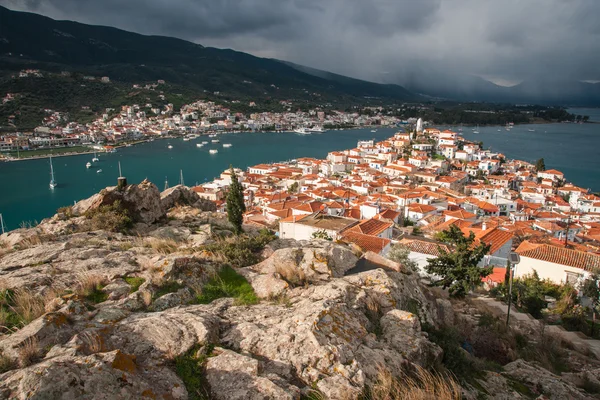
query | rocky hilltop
[134, 293]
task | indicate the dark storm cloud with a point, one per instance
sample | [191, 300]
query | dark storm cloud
[506, 39]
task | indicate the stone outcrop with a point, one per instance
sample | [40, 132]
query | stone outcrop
[142, 201]
[184, 196]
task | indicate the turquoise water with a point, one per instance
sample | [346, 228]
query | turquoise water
[25, 195]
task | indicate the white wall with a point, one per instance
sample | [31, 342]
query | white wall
[557, 273]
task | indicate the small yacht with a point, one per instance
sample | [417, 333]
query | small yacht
[199, 144]
[476, 130]
[95, 159]
[227, 145]
[88, 165]
[317, 129]
[531, 130]
[213, 151]
[186, 139]
[212, 135]
[170, 146]
[302, 131]
[204, 142]
[373, 130]
[98, 171]
[215, 140]
[53, 183]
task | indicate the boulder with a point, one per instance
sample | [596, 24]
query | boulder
[184, 196]
[142, 201]
[542, 381]
[312, 263]
[170, 300]
[234, 376]
[112, 375]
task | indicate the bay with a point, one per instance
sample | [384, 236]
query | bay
[25, 195]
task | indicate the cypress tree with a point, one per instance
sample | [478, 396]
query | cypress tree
[235, 203]
[540, 165]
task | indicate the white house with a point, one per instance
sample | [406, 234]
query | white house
[556, 263]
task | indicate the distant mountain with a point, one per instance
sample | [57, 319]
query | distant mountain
[455, 86]
[33, 41]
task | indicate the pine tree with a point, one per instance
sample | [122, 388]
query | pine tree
[540, 165]
[458, 270]
[235, 203]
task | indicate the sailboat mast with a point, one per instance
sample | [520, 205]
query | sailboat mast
[120, 173]
[181, 177]
[2, 224]
[51, 170]
[166, 184]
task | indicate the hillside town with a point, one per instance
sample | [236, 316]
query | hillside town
[416, 184]
[144, 122]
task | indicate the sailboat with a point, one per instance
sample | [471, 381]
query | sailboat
[181, 177]
[88, 165]
[166, 184]
[2, 225]
[95, 159]
[477, 129]
[53, 183]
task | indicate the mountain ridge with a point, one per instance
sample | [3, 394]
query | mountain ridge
[31, 39]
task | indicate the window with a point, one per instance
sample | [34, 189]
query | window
[572, 277]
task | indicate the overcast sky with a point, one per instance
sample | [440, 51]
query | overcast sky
[503, 40]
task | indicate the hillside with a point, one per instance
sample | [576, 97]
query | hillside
[33, 41]
[134, 293]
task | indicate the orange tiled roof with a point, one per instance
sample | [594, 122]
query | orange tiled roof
[424, 247]
[371, 227]
[560, 255]
[366, 242]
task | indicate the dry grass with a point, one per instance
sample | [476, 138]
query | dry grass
[28, 306]
[30, 241]
[6, 363]
[4, 248]
[29, 352]
[146, 297]
[420, 385]
[92, 342]
[293, 276]
[90, 286]
[162, 246]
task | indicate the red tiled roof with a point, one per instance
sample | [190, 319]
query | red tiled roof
[371, 227]
[366, 242]
[424, 247]
[560, 255]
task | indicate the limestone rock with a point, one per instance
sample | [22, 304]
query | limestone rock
[170, 300]
[402, 331]
[312, 263]
[154, 336]
[142, 201]
[542, 381]
[113, 375]
[265, 285]
[234, 376]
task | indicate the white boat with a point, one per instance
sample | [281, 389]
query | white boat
[213, 135]
[53, 183]
[227, 145]
[98, 171]
[499, 130]
[213, 151]
[302, 131]
[204, 142]
[531, 130]
[88, 165]
[373, 130]
[186, 139]
[170, 146]
[317, 129]
[215, 140]
[95, 159]
[476, 130]
[199, 144]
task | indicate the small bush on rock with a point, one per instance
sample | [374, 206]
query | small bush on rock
[135, 282]
[113, 218]
[241, 251]
[190, 368]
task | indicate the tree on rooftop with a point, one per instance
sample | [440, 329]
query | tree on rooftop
[293, 188]
[235, 203]
[458, 270]
[540, 165]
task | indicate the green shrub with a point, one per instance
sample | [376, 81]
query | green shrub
[190, 368]
[227, 283]
[113, 218]
[241, 251]
[135, 283]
